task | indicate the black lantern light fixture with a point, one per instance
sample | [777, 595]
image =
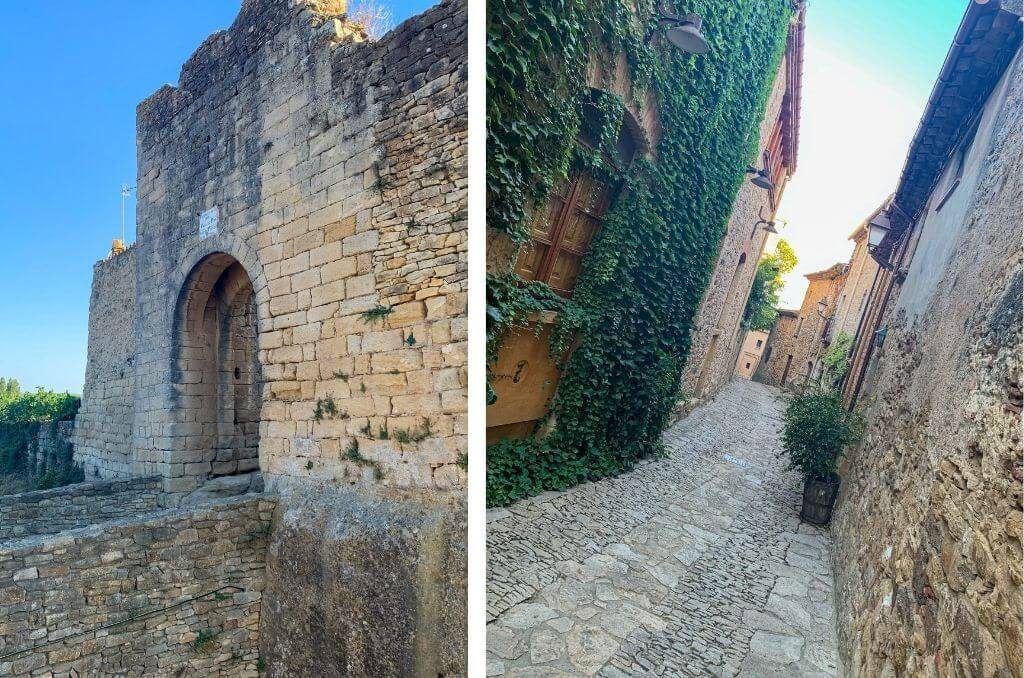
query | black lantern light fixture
[683, 32]
[761, 178]
[877, 228]
[769, 224]
[822, 306]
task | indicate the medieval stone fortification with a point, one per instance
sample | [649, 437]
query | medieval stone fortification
[290, 317]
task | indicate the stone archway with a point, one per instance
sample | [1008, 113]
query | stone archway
[218, 378]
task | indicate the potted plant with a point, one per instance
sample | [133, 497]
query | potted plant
[817, 431]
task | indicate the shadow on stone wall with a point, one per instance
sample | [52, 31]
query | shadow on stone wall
[365, 587]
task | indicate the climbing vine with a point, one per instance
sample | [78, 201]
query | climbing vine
[646, 271]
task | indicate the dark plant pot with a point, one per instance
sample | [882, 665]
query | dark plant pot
[819, 499]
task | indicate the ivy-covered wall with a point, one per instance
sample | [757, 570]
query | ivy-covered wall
[631, 314]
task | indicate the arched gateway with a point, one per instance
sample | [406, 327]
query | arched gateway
[216, 372]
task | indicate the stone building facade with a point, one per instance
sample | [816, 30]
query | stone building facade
[295, 302]
[780, 338]
[927, 530]
[860, 278]
[798, 343]
[754, 344]
[717, 335]
[292, 316]
[526, 376]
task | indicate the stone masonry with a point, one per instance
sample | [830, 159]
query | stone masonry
[294, 311]
[799, 343]
[74, 506]
[927, 533]
[176, 593]
[712, 574]
[295, 300]
[717, 334]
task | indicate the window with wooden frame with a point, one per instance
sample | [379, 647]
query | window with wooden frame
[562, 229]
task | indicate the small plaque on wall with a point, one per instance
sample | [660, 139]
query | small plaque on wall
[209, 223]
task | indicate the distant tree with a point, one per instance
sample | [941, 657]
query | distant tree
[20, 418]
[9, 390]
[761, 312]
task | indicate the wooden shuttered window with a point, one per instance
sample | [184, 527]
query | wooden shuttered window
[562, 229]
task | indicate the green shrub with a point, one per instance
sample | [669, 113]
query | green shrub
[20, 418]
[818, 429]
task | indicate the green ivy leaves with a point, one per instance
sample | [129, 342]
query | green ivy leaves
[647, 270]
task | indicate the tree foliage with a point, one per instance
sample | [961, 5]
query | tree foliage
[762, 304]
[837, 358]
[9, 390]
[631, 314]
[20, 419]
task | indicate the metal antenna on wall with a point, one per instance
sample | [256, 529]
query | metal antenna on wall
[126, 192]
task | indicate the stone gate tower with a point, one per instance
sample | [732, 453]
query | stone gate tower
[295, 301]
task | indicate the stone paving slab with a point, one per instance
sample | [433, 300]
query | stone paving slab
[695, 564]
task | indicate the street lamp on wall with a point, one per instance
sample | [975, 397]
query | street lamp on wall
[684, 32]
[769, 224]
[877, 228]
[822, 306]
[761, 178]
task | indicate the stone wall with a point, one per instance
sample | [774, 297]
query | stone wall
[927, 532]
[360, 586]
[804, 337]
[139, 597]
[103, 428]
[860, 278]
[716, 335]
[778, 350]
[73, 506]
[311, 186]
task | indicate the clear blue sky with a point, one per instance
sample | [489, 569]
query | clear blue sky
[72, 73]
[869, 67]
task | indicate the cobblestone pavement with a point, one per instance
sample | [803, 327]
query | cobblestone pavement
[695, 564]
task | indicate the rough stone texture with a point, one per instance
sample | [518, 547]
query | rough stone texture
[103, 427]
[52, 442]
[365, 587]
[712, 574]
[716, 337]
[860, 276]
[801, 342]
[295, 178]
[927, 535]
[73, 506]
[131, 597]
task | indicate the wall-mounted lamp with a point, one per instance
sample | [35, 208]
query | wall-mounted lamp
[761, 178]
[684, 32]
[822, 306]
[877, 228]
[769, 224]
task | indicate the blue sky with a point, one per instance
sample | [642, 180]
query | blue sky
[869, 67]
[72, 73]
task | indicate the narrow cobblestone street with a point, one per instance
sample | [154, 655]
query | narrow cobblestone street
[695, 564]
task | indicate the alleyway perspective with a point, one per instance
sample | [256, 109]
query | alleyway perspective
[695, 564]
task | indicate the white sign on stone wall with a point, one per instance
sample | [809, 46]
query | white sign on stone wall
[209, 223]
